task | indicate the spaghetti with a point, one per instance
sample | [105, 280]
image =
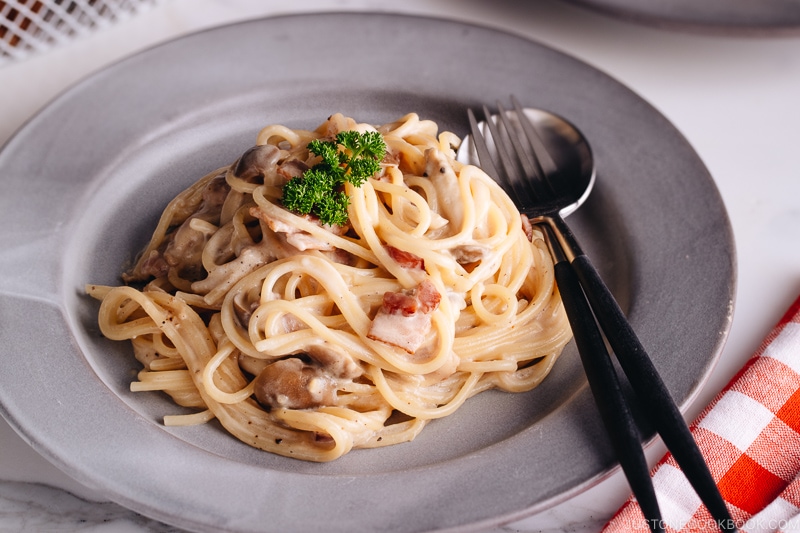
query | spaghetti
[309, 340]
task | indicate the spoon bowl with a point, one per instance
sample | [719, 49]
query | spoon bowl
[546, 166]
[566, 166]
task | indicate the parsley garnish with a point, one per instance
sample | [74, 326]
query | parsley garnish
[353, 157]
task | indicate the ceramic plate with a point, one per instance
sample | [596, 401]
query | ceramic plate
[725, 16]
[85, 180]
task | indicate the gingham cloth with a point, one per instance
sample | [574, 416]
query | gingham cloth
[750, 437]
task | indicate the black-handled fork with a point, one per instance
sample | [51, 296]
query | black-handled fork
[546, 192]
[605, 385]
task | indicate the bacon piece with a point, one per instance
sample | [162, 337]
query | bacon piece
[294, 236]
[428, 297]
[404, 319]
[405, 259]
[399, 302]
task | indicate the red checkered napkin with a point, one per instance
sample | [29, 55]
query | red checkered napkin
[750, 438]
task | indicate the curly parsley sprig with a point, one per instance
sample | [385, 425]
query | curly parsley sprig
[352, 158]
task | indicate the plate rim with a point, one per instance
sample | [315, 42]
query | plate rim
[63, 97]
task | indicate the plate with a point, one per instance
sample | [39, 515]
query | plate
[723, 16]
[85, 180]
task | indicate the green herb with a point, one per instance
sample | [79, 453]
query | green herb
[353, 157]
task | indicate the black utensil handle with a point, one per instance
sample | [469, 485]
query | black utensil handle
[607, 392]
[644, 377]
[650, 389]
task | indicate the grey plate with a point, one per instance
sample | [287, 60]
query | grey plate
[718, 16]
[85, 180]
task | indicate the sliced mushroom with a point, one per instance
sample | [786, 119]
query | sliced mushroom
[335, 360]
[293, 384]
[448, 193]
[225, 275]
[258, 161]
[184, 248]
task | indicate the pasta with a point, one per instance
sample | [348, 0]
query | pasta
[309, 340]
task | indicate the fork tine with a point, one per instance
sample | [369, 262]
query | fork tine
[483, 153]
[511, 178]
[530, 167]
[546, 163]
[548, 166]
[502, 154]
[529, 185]
[481, 148]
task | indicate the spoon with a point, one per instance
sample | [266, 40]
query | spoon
[547, 184]
[548, 169]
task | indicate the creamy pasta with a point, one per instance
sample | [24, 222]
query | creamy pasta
[309, 340]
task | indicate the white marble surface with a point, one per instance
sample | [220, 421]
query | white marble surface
[736, 98]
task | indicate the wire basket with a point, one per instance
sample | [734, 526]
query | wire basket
[31, 26]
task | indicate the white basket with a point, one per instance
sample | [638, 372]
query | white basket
[31, 26]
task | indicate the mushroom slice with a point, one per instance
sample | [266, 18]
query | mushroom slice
[258, 161]
[292, 384]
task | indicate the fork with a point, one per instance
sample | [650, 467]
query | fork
[528, 173]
